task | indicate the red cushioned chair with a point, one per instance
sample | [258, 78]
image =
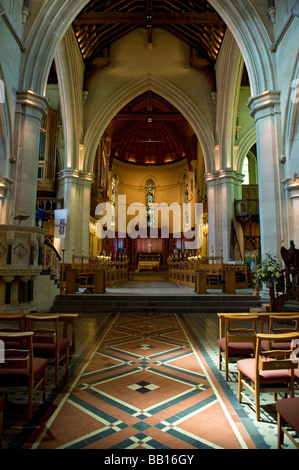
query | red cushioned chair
[20, 370]
[46, 340]
[287, 416]
[272, 368]
[238, 341]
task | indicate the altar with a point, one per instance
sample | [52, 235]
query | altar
[148, 261]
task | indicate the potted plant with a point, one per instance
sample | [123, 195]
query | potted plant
[268, 273]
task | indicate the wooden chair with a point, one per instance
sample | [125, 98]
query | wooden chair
[272, 368]
[280, 324]
[11, 323]
[20, 370]
[238, 341]
[46, 340]
[287, 416]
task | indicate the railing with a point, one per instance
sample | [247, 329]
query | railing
[184, 272]
[286, 289]
[246, 206]
[49, 204]
[51, 260]
[115, 273]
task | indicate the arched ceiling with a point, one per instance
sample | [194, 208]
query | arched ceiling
[195, 22]
[149, 130]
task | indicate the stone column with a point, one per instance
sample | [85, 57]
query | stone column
[231, 189]
[212, 180]
[74, 187]
[292, 187]
[86, 181]
[30, 108]
[5, 185]
[223, 187]
[265, 109]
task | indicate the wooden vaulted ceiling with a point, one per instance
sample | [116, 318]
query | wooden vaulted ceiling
[102, 22]
[149, 130]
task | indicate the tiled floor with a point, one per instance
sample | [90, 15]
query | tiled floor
[142, 381]
[145, 387]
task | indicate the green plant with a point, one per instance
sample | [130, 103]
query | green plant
[269, 271]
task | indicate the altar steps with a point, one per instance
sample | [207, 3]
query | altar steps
[76, 303]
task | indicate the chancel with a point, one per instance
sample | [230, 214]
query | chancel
[149, 163]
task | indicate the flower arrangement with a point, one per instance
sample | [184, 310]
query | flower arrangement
[268, 272]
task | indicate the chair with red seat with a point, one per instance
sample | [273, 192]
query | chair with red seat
[269, 368]
[46, 340]
[238, 340]
[20, 370]
[287, 416]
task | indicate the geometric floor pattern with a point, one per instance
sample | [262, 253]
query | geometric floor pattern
[145, 386]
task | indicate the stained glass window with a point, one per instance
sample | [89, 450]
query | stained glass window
[186, 199]
[150, 200]
[113, 199]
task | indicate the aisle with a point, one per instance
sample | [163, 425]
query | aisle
[146, 386]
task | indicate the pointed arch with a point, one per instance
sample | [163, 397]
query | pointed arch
[5, 127]
[165, 89]
[56, 16]
[245, 144]
[291, 123]
[253, 40]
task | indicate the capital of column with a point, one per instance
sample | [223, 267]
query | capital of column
[212, 177]
[230, 175]
[292, 185]
[70, 174]
[5, 186]
[225, 175]
[31, 104]
[264, 105]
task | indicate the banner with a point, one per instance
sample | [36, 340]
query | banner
[60, 223]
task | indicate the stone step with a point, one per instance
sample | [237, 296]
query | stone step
[197, 303]
[74, 304]
[170, 309]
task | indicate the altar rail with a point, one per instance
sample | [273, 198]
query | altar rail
[93, 276]
[184, 272]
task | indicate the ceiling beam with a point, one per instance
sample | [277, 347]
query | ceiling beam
[141, 19]
[144, 116]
